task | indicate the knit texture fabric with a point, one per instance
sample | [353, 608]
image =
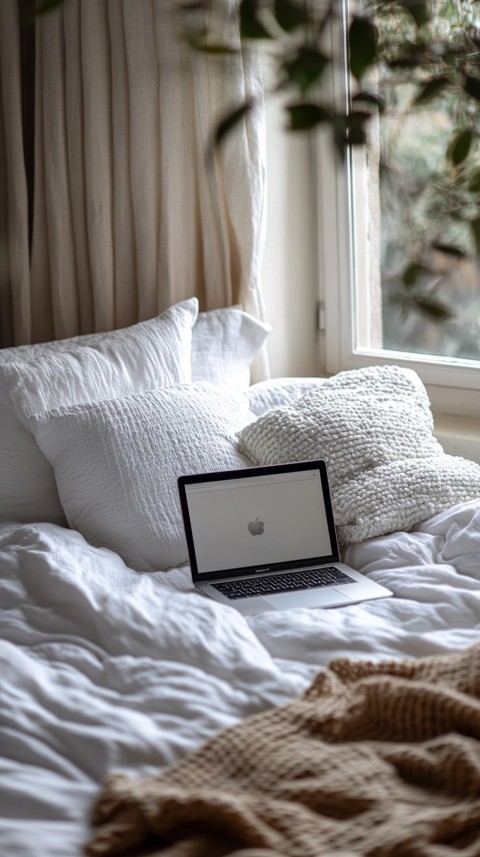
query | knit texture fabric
[374, 428]
[374, 759]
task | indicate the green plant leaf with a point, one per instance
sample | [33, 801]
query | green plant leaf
[34, 9]
[290, 15]
[355, 126]
[404, 60]
[251, 27]
[432, 307]
[303, 117]
[372, 98]
[42, 7]
[431, 89]
[411, 274]
[460, 146]
[305, 67]
[418, 9]
[229, 122]
[362, 41]
[194, 6]
[408, 55]
[471, 86]
[218, 50]
[204, 47]
[474, 182]
[340, 138]
[449, 249]
[356, 136]
[475, 230]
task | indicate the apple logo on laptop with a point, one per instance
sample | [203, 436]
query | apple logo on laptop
[256, 527]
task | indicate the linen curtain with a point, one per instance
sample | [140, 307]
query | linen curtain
[129, 214]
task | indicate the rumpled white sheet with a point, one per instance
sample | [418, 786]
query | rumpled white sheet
[105, 669]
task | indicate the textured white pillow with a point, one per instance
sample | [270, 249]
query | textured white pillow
[374, 428]
[224, 343]
[146, 355]
[117, 462]
[276, 392]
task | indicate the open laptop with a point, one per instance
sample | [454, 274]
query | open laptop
[264, 538]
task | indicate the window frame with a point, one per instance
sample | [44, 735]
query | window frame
[343, 264]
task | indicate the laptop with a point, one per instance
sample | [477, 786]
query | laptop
[263, 538]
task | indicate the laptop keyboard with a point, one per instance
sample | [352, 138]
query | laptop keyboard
[308, 578]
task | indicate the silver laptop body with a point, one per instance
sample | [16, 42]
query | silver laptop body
[268, 528]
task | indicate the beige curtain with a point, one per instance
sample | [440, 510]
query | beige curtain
[128, 215]
[15, 310]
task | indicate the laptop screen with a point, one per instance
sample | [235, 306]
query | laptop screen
[261, 518]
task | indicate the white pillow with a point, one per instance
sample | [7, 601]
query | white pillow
[374, 428]
[224, 344]
[42, 349]
[276, 392]
[117, 462]
[146, 355]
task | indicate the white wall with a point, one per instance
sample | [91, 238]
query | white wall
[289, 264]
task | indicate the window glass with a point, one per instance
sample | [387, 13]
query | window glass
[428, 203]
[394, 285]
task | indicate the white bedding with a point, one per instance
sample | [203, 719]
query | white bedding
[104, 669]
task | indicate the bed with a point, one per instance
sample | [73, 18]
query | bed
[111, 663]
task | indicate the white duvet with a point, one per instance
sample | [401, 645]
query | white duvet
[104, 669]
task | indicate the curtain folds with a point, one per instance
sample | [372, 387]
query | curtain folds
[129, 215]
[15, 308]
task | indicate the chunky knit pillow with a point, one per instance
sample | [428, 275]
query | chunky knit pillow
[374, 428]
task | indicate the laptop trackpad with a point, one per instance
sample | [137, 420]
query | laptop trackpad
[306, 598]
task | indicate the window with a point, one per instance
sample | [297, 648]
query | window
[361, 326]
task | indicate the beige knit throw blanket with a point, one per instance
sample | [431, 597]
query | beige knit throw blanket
[374, 759]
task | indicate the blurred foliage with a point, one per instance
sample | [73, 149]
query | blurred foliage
[406, 59]
[429, 75]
